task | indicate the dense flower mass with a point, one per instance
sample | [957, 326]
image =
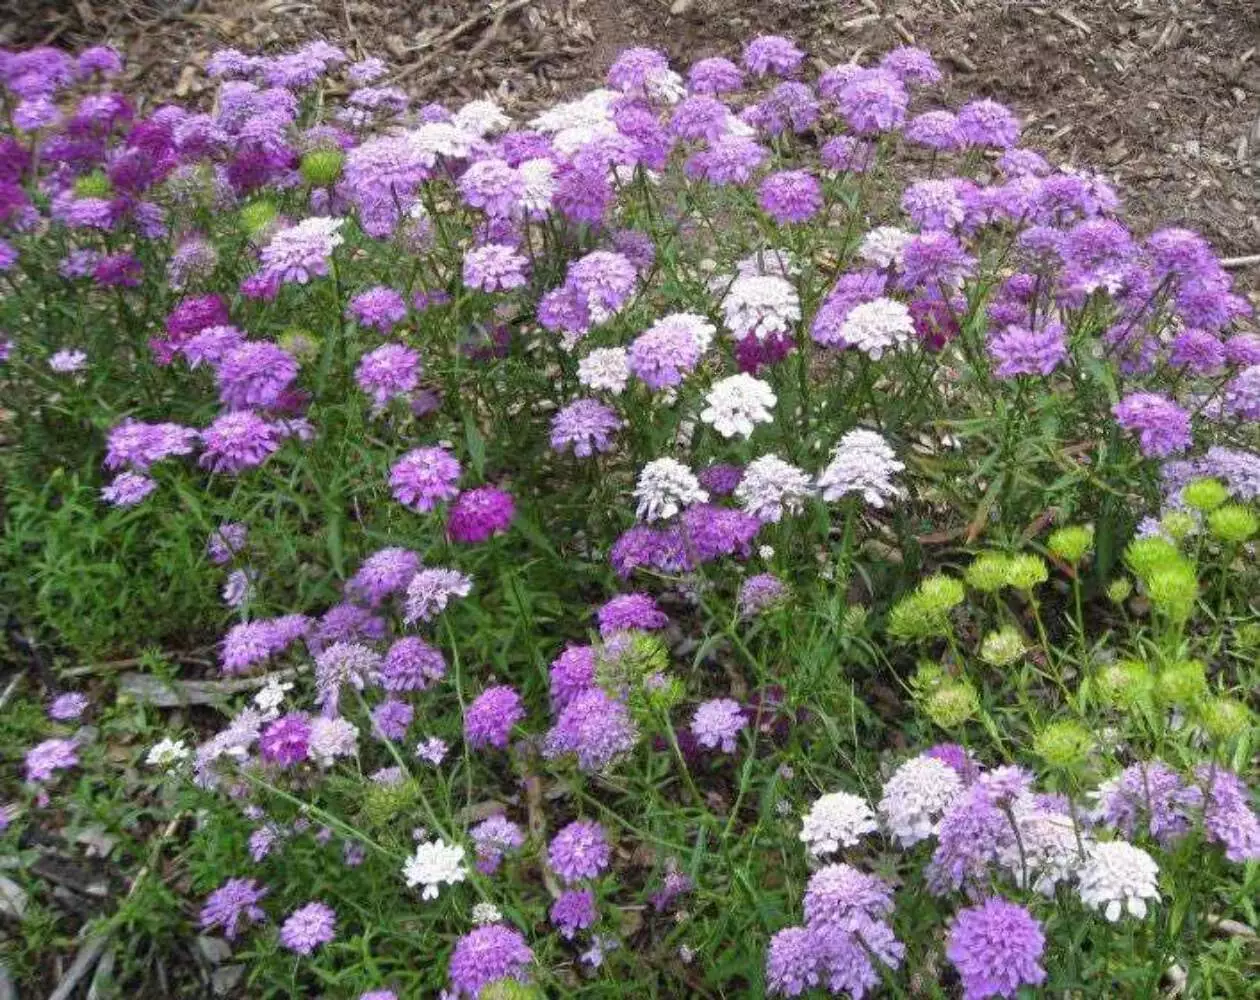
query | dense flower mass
[572, 502]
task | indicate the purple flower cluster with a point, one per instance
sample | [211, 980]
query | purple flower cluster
[579, 851]
[491, 716]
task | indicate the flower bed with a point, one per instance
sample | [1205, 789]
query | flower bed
[724, 535]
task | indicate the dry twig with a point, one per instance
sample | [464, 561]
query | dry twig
[434, 48]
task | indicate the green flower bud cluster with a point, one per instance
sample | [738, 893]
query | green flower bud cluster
[1072, 543]
[1003, 647]
[948, 701]
[1169, 578]
[989, 572]
[924, 614]
[1064, 745]
[322, 167]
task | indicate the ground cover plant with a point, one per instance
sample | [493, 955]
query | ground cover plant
[738, 532]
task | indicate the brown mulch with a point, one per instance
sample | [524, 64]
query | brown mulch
[1162, 94]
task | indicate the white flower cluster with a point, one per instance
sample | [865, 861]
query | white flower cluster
[883, 246]
[862, 463]
[433, 864]
[915, 798]
[332, 738]
[836, 820]
[665, 487]
[1046, 849]
[486, 913]
[878, 326]
[481, 118]
[538, 179]
[167, 754]
[606, 368]
[771, 487]
[760, 306]
[1118, 878]
[434, 139]
[271, 697]
[737, 404]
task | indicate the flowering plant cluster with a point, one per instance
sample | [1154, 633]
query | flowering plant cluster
[732, 532]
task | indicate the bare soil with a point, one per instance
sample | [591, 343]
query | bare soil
[1162, 94]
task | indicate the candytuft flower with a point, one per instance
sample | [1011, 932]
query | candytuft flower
[308, 927]
[434, 864]
[836, 820]
[665, 486]
[735, 405]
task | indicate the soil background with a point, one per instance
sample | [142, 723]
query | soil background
[1164, 95]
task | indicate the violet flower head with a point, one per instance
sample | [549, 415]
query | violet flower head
[603, 280]
[487, 955]
[1242, 394]
[571, 673]
[489, 720]
[68, 707]
[391, 718]
[128, 489]
[717, 723]
[237, 441]
[594, 727]
[139, 445]
[631, 611]
[389, 371]
[479, 514]
[730, 159]
[226, 541]
[255, 374]
[790, 196]
[790, 107]
[492, 186]
[844, 153]
[987, 123]
[430, 590]
[424, 478]
[286, 741]
[759, 593]
[669, 349]
[411, 664]
[579, 851]
[573, 911]
[933, 204]
[585, 426]
[772, 55]
[44, 759]
[302, 252]
[911, 65]
[308, 927]
[873, 101]
[996, 948]
[937, 130]
[1021, 351]
[714, 75]
[1229, 819]
[1198, 351]
[494, 267]
[380, 308]
[1153, 795]
[383, 573]
[934, 259]
[1163, 427]
[233, 906]
[493, 837]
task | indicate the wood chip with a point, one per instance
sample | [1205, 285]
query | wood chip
[1070, 19]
